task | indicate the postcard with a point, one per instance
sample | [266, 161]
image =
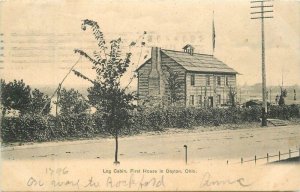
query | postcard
[152, 95]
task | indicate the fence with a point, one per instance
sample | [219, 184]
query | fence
[279, 155]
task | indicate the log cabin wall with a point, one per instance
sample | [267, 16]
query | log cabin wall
[198, 85]
[198, 93]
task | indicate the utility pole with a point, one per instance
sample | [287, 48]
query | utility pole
[270, 95]
[259, 13]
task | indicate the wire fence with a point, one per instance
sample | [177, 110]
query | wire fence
[281, 156]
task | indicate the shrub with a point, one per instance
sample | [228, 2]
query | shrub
[35, 127]
[27, 127]
[294, 111]
[281, 112]
[76, 125]
[157, 119]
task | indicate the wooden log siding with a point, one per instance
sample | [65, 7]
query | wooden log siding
[143, 80]
[200, 84]
[186, 89]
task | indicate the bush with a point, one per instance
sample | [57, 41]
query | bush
[284, 112]
[28, 127]
[294, 111]
[36, 127]
[76, 125]
[157, 119]
[10, 129]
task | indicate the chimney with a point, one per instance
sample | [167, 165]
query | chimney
[154, 76]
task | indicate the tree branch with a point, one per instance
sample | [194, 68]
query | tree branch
[77, 73]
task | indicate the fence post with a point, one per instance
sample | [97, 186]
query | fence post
[279, 155]
[289, 153]
[255, 159]
[227, 162]
[242, 160]
[267, 157]
[185, 146]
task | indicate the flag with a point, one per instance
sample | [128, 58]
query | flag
[213, 34]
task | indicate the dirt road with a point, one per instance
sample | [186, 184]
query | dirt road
[211, 145]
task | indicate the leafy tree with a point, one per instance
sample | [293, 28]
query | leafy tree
[38, 101]
[72, 102]
[282, 96]
[106, 94]
[232, 95]
[174, 84]
[15, 95]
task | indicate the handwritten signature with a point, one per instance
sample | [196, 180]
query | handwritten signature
[207, 181]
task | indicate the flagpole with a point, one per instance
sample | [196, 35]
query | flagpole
[213, 34]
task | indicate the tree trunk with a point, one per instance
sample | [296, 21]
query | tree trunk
[116, 149]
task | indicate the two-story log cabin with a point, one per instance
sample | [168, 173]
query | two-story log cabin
[185, 78]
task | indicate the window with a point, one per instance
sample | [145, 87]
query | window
[192, 100]
[200, 100]
[219, 80]
[192, 79]
[207, 80]
[226, 81]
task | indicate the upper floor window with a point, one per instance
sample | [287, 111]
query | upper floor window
[192, 79]
[219, 80]
[207, 80]
[226, 81]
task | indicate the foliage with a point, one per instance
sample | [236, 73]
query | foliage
[15, 95]
[156, 119]
[71, 102]
[106, 95]
[283, 94]
[232, 95]
[27, 127]
[38, 101]
[284, 112]
[76, 125]
[36, 127]
[173, 83]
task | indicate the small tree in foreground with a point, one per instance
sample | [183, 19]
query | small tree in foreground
[106, 94]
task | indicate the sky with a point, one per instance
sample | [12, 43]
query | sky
[38, 37]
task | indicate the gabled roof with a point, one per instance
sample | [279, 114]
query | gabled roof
[199, 62]
[187, 46]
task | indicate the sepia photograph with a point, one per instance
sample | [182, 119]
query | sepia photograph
[150, 95]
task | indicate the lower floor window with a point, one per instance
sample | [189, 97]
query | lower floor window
[219, 99]
[200, 100]
[192, 100]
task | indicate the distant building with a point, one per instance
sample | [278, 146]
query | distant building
[184, 78]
